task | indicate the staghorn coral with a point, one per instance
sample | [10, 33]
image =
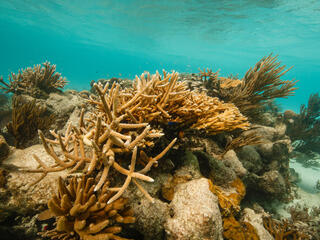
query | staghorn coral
[27, 118]
[120, 124]
[82, 213]
[102, 141]
[37, 81]
[202, 112]
[156, 99]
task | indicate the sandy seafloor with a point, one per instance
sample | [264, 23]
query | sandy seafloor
[308, 195]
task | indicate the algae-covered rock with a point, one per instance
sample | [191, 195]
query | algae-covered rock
[214, 169]
[4, 149]
[250, 159]
[231, 160]
[194, 213]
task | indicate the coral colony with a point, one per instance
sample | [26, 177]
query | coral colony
[122, 126]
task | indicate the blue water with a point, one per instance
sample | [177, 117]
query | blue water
[99, 39]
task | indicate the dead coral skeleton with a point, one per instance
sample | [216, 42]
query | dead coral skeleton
[34, 81]
[82, 213]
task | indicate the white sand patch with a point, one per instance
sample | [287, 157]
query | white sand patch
[309, 176]
[308, 195]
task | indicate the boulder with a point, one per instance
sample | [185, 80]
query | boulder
[194, 213]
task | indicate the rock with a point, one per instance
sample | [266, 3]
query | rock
[256, 220]
[190, 166]
[273, 183]
[63, 104]
[267, 119]
[250, 159]
[150, 217]
[214, 169]
[265, 150]
[188, 171]
[195, 213]
[18, 196]
[231, 160]
[4, 149]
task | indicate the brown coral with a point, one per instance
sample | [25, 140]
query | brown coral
[37, 81]
[260, 84]
[84, 214]
[27, 118]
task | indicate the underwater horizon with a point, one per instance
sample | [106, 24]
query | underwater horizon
[89, 40]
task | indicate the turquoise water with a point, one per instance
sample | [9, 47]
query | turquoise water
[89, 40]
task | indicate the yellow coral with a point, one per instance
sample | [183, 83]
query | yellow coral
[229, 202]
[82, 213]
[234, 230]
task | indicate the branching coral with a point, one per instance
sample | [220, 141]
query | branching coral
[82, 213]
[27, 118]
[37, 81]
[168, 100]
[121, 123]
[102, 141]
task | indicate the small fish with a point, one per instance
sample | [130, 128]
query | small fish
[173, 123]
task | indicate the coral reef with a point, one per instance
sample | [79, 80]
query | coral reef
[82, 213]
[37, 81]
[212, 158]
[27, 118]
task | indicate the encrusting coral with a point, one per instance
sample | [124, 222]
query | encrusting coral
[82, 213]
[27, 118]
[229, 202]
[37, 81]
